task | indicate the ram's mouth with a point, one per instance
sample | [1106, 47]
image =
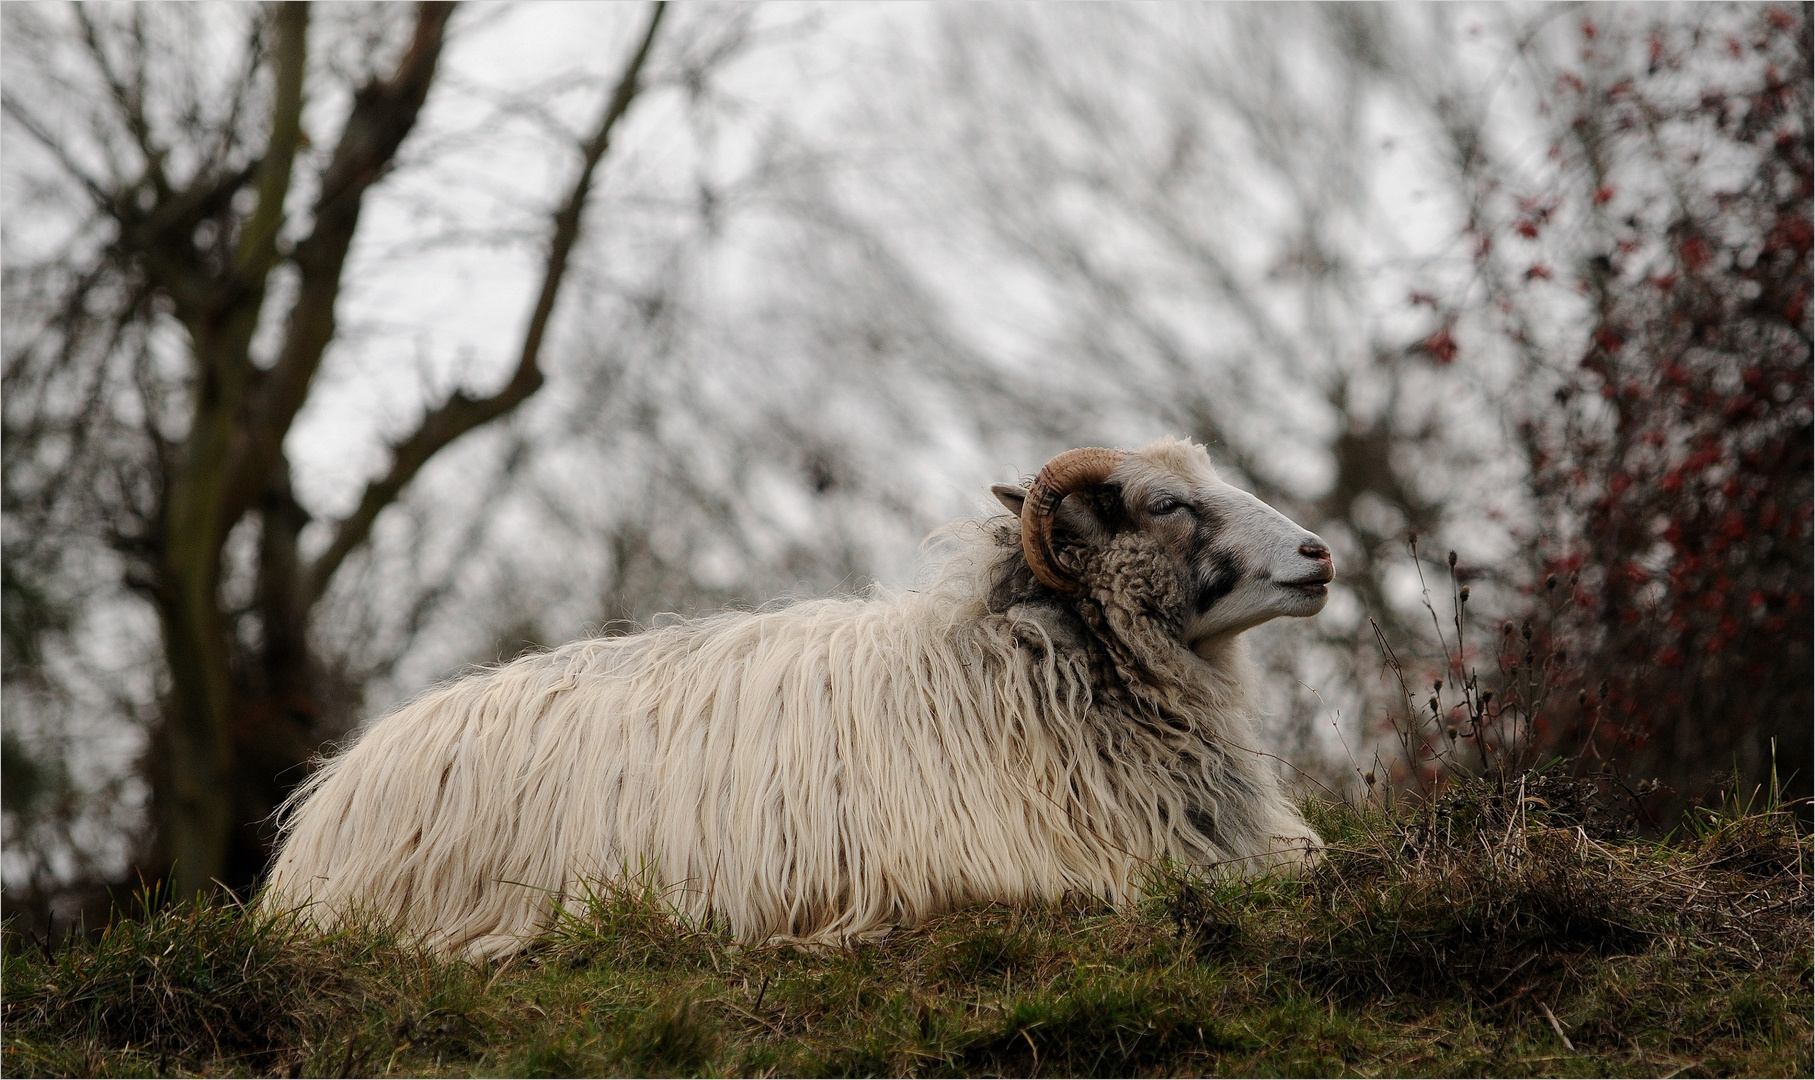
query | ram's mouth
[1316, 585]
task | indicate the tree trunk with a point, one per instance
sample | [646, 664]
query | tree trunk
[241, 724]
[195, 813]
[277, 712]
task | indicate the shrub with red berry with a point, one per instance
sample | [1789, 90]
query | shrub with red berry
[1670, 448]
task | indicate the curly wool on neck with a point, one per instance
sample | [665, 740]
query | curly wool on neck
[819, 773]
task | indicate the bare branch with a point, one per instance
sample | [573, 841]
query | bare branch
[258, 237]
[37, 130]
[228, 131]
[383, 114]
[131, 100]
[461, 413]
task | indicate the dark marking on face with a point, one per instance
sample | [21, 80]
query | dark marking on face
[1208, 525]
[1105, 501]
[1217, 580]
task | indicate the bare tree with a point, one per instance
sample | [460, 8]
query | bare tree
[161, 353]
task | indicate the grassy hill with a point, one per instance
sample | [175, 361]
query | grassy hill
[1493, 932]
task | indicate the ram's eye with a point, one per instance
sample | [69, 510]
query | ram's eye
[1165, 506]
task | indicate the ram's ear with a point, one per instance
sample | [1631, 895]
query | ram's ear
[1010, 496]
[1075, 515]
[1090, 515]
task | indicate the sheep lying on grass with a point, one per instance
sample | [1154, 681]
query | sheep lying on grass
[1068, 702]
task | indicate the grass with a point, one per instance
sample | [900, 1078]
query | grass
[1487, 933]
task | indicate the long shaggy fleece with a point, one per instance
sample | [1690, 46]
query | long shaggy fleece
[820, 772]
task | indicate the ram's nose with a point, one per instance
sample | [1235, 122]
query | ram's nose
[1319, 552]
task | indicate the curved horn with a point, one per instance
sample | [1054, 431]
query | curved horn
[1072, 471]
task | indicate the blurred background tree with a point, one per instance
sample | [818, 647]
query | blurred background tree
[1404, 269]
[161, 355]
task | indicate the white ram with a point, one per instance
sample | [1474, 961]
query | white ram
[1068, 701]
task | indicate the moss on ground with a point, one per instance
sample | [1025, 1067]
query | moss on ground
[1476, 936]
